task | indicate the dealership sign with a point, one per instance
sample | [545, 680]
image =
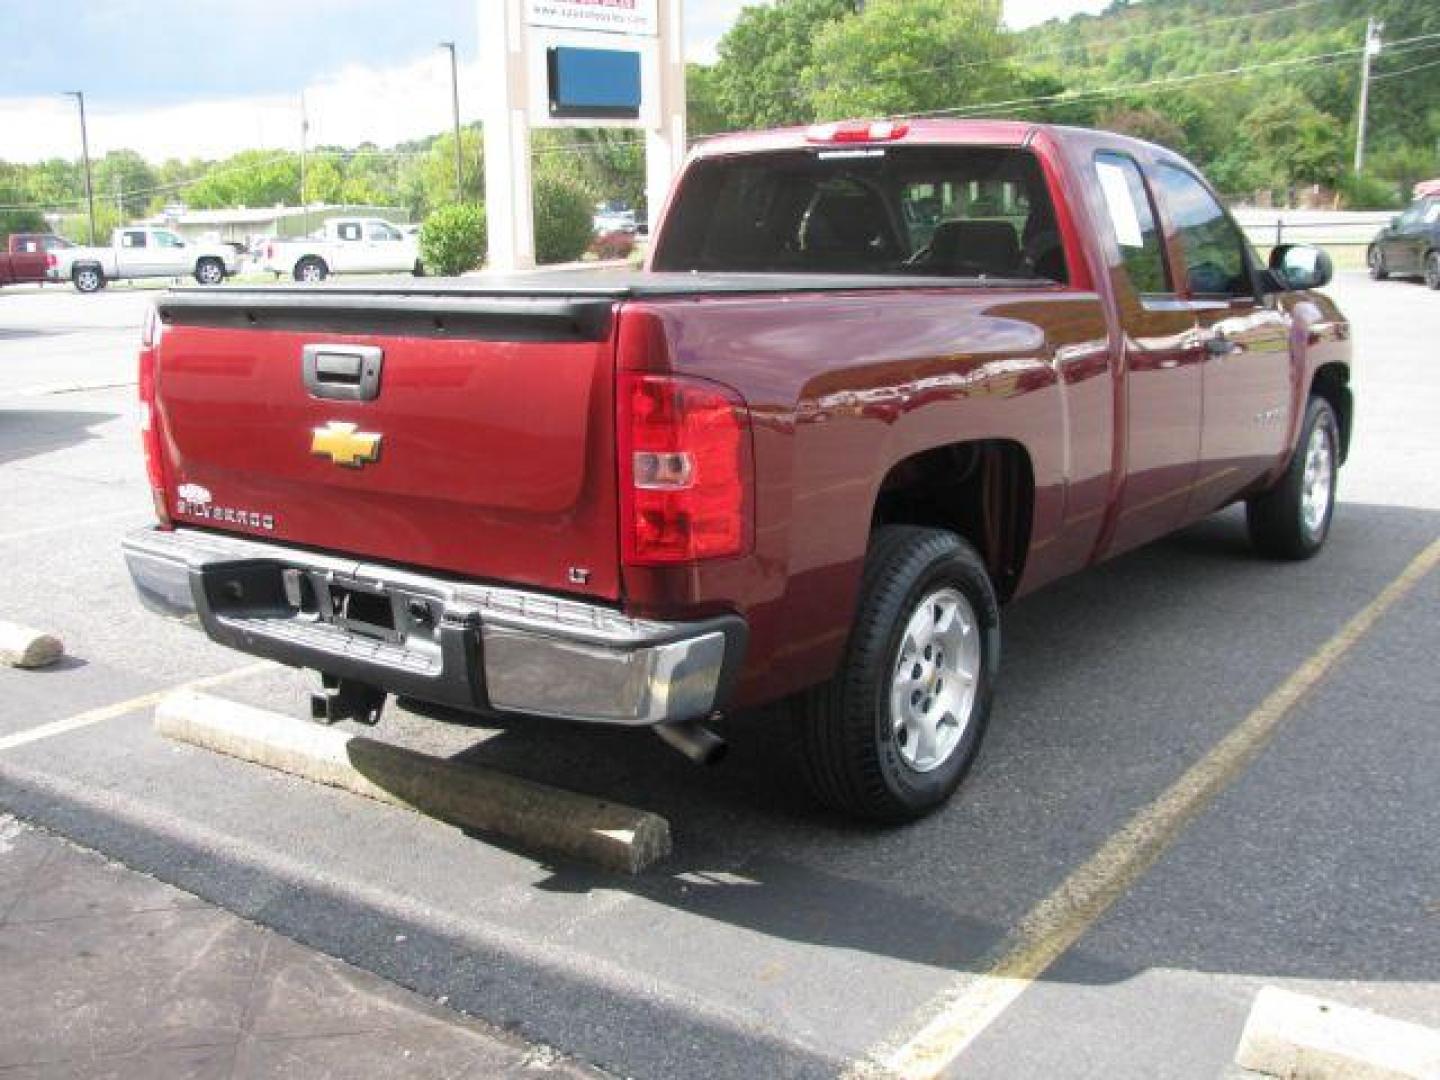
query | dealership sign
[609, 16]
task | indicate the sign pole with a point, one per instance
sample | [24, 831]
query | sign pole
[509, 195]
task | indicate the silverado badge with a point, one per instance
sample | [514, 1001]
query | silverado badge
[344, 445]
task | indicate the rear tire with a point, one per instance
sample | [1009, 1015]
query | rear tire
[1375, 260]
[311, 269]
[418, 270]
[1432, 270]
[210, 272]
[1292, 519]
[88, 279]
[891, 736]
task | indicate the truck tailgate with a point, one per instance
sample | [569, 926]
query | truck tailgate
[482, 446]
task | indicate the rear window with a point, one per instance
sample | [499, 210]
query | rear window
[948, 212]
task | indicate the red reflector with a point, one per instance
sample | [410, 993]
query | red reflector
[858, 131]
[685, 470]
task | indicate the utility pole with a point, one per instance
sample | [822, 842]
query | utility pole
[304, 202]
[1372, 50]
[455, 115]
[79, 95]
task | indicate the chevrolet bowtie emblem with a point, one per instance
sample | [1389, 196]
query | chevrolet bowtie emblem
[344, 445]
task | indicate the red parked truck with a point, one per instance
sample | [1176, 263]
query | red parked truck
[875, 381]
[28, 258]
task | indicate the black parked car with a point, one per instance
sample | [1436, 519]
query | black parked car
[1410, 244]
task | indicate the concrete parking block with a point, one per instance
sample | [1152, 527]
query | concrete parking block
[535, 816]
[1304, 1038]
[25, 647]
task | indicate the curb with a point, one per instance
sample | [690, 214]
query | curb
[535, 816]
[1306, 1038]
[24, 647]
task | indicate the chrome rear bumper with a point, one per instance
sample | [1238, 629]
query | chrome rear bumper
[458, 643]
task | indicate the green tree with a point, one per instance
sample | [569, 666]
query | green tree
[1295, 143]
[756, 81]
[55, 182]
[249, 178]
[428, 180]
[323, 181]
[900, 56]
[704, 114]
[13, 193]
[125, 180]
[1141, 122]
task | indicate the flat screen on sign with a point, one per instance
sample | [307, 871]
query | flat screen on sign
[599, 83]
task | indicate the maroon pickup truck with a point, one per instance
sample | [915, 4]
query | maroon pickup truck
[28, 258]
[876, 381]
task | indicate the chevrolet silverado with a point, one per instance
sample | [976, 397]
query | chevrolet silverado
[144, 251]
[875, 381]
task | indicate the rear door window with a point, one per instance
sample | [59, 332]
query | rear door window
[1132, 217]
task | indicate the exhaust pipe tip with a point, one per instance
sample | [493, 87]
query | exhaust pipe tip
[693, 739]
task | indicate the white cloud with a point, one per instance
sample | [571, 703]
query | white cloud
[354, 105]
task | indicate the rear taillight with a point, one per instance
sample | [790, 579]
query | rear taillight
[685, 470]
[269, 251]
[149, 419]
[50, 260]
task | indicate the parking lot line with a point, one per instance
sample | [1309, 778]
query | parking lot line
[944, 1030]
[120, 708]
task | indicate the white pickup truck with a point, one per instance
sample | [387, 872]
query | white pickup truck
[345, 246]
[142, 251]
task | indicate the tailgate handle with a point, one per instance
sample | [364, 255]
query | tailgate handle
[342, 372]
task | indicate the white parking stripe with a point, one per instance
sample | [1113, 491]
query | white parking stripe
[110, 712]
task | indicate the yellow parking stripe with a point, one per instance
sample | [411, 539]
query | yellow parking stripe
[110, 712]
[952, 1023]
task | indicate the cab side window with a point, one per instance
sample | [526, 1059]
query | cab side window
[1133, 218]
[132, 239]
[1214, 249]
[348, 230]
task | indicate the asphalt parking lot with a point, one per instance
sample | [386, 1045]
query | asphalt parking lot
[779, 941]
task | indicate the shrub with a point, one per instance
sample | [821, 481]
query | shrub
[452, 240]
[563, 223]
[1368, 193]
[612, 245]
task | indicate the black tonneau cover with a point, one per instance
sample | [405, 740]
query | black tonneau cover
[554, 305]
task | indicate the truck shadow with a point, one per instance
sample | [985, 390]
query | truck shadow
[1117, 680]
[26, 433]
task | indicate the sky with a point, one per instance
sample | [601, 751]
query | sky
[204, 78]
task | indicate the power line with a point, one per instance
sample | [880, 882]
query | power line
[1066, 97]
[1405, 71]
[1104, 46]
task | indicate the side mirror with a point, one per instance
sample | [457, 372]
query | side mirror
[1395, 222]
[1300, 266]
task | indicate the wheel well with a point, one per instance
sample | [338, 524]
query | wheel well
[983, 490]
[1332, 382]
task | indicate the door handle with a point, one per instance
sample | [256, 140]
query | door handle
[342, 372]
